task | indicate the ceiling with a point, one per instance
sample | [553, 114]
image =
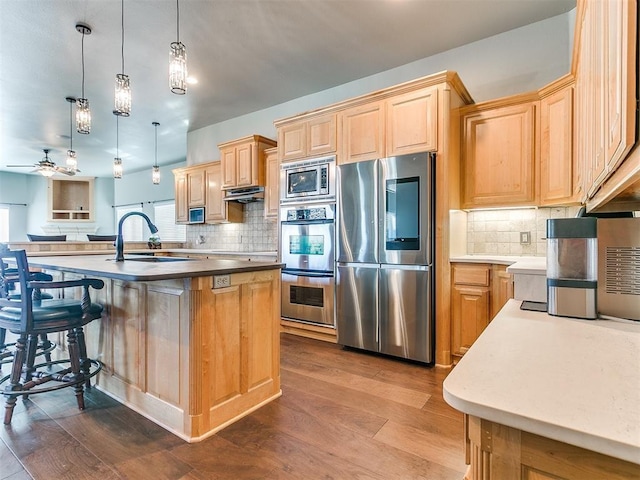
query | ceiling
[247, 55]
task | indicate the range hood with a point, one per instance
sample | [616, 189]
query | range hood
[244, 195]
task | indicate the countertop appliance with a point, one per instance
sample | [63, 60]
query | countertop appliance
[307, 236]
[619, 267]
[384, 283]
[572, 264]
[308, 180]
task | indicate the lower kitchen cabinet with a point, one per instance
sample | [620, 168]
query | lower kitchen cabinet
[478, 293]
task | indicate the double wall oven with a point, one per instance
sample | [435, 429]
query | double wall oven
[307, 240]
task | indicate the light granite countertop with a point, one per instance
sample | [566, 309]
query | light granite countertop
[575, 381]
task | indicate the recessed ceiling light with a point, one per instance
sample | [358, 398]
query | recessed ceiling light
[192, 80]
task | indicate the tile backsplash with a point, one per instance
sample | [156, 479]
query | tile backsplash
[498, 232]
[254, 234]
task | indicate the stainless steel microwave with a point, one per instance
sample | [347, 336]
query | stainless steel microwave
[196, 215]
[308, 180]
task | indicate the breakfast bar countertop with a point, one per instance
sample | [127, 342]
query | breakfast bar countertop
[142, 268]
[574, 381]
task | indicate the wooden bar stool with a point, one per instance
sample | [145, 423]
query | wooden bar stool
[29, 320]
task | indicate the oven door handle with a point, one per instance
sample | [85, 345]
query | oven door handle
[322, 221]
[307, 273]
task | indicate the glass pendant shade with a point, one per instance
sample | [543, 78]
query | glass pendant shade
[178, 68]
[47, 171]
[72, 161]
[83, 116]
[155, 175]
[122, 96]
[117, 167]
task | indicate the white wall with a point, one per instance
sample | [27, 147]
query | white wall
[513, 62]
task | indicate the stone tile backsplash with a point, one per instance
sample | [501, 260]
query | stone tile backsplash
[254, 234]
[497, 232]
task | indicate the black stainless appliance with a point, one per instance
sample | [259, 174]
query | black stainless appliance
[307, 235]
[308, 180]
[384, 282]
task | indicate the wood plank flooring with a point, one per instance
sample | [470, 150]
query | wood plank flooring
[343, 415]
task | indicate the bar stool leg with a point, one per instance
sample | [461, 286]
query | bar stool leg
[85, 363]
[74, 358]
[14, 380]
[46, 344]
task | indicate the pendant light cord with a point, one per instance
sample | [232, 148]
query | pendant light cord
[122, 48]
[178, 20]
[156, 164]
[71, 124]
[82, 49]
[117, 138]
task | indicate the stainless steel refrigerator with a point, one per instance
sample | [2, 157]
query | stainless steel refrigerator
[384, 281]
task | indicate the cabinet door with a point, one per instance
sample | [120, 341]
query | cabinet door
[292, 141]
[469, 315]
[498, 157]
[321, 135]
[272, 190]
[412, 122]
[228, 163]
[215, 209]
[196, 188]
[246, 165]
[501, 288]
[362, 133]
[556, 148]
[182, 208]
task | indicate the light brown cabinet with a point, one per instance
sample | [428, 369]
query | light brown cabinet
[478, 293]
[362, 133]
[70, 199]
[606, 76]
[309, 137]
[243, 162]
[272, 189]
[216, 209]
[499, 155]
[556, 146]
[200, 186]
[412, 122]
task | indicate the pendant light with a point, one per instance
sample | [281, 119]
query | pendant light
[178, 61]
[123, 88]
[117, 162]
[83, 113]
[155, 174]
[72, 161]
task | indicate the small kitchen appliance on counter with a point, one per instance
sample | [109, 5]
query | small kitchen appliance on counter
[572, 267]
[619, 267]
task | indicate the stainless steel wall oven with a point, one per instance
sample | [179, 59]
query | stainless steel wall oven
[307, 239]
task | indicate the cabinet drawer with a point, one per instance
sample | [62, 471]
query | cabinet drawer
[472, 275]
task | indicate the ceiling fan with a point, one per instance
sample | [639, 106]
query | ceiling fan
[47, 167]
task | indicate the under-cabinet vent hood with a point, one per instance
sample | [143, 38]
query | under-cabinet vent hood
[245, 195]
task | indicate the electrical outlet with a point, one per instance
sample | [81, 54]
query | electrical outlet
[220, 281]
[525, 238]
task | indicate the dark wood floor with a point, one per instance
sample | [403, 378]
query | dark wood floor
[343, 415]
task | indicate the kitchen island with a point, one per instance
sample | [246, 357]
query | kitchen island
[550, 398]
[191, 344]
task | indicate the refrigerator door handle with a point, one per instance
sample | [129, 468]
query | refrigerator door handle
[390, 266]
[359, 265]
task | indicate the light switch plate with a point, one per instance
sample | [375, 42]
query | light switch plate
[221, 281]
[525, 238]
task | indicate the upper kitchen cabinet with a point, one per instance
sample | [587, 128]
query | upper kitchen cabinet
[309, 137]
[412, 122]
[559, 177]
[605, 66]
[180, 190]
[243, 161]
[189, 188]
[196, 187]
[362, 130]
[272, 189]
[216, 209]
[70, 199]
[499, 154]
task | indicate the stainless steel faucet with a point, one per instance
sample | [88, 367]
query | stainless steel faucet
[119, 239]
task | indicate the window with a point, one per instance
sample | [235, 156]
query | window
[133, 227]
[4, 224]
[165, 219]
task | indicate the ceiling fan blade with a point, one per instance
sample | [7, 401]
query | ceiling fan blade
[32, 165]
[67, 171]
